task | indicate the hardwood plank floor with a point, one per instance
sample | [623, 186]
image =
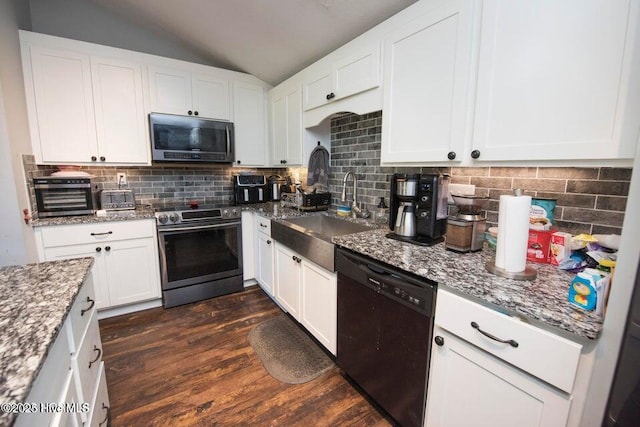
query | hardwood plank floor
[193, 366]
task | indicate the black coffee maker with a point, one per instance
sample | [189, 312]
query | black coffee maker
[418, 211]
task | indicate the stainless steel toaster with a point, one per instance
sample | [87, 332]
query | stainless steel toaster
[116, 200]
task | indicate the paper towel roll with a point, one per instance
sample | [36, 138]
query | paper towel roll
[513, 233]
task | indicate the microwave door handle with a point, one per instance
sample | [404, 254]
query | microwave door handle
[228, 139]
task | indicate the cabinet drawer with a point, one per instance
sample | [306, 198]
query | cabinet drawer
[80, 314]
[99, 414]
[263, 225]
[541, 353]
[86, 362]
[69, 396]
[64, 235]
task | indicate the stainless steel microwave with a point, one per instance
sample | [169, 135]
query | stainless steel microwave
[190, 139]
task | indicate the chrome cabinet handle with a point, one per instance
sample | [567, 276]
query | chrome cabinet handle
[91, 304]
[512, 343]
[95, 348]
[102, 234]
[106, 417]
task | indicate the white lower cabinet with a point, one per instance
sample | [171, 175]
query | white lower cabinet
[469, 387]
[309, 293]
[318, 310]
[72, 381]
[126, 269]
[288, 278]
[475, 379]
[265, 249]
[248, 247]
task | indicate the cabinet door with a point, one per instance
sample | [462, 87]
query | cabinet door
[248, 246]
[170, 91]
[286, 126]
[119, 108]
[98, 273]
[467, 386]
[319, 302]
[288, 280]
[63, 104]
[264, 262]
[426, 74]
[559, 93]
[357, 72]
[249, 124]
[132, 271]
[318, 88]
[210, 95]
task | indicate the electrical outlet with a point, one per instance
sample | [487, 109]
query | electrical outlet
[121, 178]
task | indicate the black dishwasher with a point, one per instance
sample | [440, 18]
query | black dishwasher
[385, 324]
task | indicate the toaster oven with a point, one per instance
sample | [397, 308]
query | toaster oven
[57, 196]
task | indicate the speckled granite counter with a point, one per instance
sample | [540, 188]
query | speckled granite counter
[542, 302]
[138, 213]
[36, 299]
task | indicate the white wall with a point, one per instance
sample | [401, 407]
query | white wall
[17, 244]
[88, 21]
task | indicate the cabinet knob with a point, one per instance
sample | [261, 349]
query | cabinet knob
[283, 162]
[98, 249]
[451, 155]
[331, 96]
[94, 158]
[107, 248]
[195, 113]
[475, 154]
[238, 161]
[439, 340]
[268, 242]
[103, 158]
[190, 112]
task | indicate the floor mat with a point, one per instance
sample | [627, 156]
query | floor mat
[286, 352]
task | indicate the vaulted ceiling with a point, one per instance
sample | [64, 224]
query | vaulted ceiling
[271, 39]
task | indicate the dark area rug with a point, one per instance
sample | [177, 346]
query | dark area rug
[286, 352]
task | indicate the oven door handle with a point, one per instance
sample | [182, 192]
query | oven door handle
[201, 227]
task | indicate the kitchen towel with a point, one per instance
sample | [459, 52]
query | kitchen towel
[318, 169]
[513, 233]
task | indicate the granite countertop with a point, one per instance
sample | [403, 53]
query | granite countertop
[36, 299]
[542, 302]
[141, 212]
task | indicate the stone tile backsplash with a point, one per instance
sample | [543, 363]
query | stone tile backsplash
[589, 200]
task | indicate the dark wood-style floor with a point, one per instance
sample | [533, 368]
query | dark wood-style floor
[193, 365]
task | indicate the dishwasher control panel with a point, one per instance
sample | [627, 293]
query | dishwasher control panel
[397, 292]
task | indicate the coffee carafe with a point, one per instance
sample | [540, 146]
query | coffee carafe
[406, 220]
[418, 212]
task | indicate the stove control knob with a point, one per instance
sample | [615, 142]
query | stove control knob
[174, 217]
[235, 213]
[225, 213]
[163, 218]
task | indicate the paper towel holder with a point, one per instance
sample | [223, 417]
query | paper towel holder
[529, 273]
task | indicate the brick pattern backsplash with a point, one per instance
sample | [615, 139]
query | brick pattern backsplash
[160, 186]
[589, 200]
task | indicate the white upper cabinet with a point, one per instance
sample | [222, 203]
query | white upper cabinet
[343, 76]
[60, 105]
[119, 110]
[84, 108]
[554, 81]
[175, 91]
[285, 113]
[426, 75]
[249, 124]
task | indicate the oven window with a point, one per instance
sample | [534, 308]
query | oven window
[202, 253]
